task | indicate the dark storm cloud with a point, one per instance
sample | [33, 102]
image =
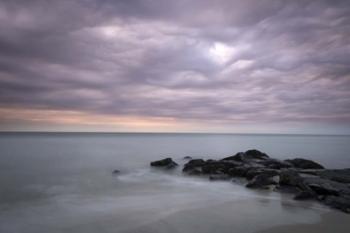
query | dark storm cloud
[249, 61]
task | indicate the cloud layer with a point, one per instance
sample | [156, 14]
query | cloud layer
[215, 62]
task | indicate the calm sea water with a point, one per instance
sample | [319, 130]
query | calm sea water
[63, 182]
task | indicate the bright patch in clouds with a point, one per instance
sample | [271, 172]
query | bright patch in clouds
[221, 53]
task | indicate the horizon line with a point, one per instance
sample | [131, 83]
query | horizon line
[169, 132]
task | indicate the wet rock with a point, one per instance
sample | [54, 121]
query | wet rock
[341, 203]
[167, 163]
[276, 164]
[339, 175]
[290, 177]
[237, 157]
[255, 154]
[252, 172]
[247, 156]
[217, 167]
[240, 171]
[194, 166]
[263, 181]
[304, 163]
[304, 195]
[326, 187]
[116, 172]
[187, 157]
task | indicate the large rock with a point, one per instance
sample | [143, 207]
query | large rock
[194, 165]
[342, 203]
[255, 154]
[263, 181]
[252, 172]
[291, 177]
[247, 156]
[239, 171]
[275, 163]
[326, 187]
[304, 163]
[237, 157]
[167, 163]
[339, 175]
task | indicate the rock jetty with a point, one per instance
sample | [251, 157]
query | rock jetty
[305, 178]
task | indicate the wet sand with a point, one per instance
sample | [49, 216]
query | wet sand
[250, 216]
[334, 221]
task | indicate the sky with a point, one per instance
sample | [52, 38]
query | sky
[226, 66]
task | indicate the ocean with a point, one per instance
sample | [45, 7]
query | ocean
[63, 182]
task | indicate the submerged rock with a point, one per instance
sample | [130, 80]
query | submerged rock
[187, 157]
[167, 163]
[115, 172]
[304, 163]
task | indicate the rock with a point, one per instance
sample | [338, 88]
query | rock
[247, 156]
[219, 177]
[187, 157]
[291, 177]
[339, 175]
[252, 172]
[167, 163]
[326, 187]
[115, 172]
[238, 171]
[304, 195]
[194, 164]
[342, 203]
[255, 154]
[217, 167]
[304, 163]
[275, 163]
[237, 157]
[262, 181]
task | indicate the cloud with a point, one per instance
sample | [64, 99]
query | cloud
[216, 62]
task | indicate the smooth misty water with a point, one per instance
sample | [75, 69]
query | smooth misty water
[64, 183]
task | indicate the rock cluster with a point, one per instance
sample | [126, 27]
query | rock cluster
[305, 178]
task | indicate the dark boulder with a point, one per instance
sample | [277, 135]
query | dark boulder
[237, 157]
[217, 167]
[167, 163]
[194, 165]
[247, 156]
[326, 187]
[291, 177]
[275, 163]
[304, 163]
[252, 172]
[116, 172]
[339, 175]
[263, 181]
[255, 154]
[187, 157]
[304, 195]
[240, 171]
